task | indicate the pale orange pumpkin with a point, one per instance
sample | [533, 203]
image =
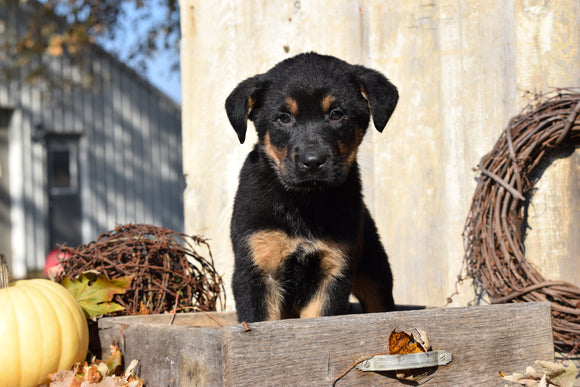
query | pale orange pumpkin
[42, 330]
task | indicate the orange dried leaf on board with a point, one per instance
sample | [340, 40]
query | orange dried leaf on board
[402, 342]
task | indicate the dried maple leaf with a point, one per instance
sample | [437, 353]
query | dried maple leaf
[402, 342]
[95, 292]
[405, 342]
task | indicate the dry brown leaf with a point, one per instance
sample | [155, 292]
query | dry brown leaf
[403, 342]
[553, 374]
[92, 374]
[98, 373]
[115, 361]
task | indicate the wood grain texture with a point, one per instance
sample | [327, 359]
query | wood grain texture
[463, 70]
[482, 340]
[185, 353]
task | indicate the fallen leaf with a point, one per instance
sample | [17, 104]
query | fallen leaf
[93, 375]
[402, 343]
[553, 374]
[560, 374]
[405, 342]
[131, 368]
[420, 337]
[115, 361]
[95, 295]
[97, 374]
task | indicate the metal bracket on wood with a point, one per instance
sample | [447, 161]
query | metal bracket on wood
[405, 362]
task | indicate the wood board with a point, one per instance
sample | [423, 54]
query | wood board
[483, 340]
[186, 352]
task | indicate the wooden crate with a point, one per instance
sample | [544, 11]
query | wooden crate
[185, 353]
[482, 340]
[195, 350]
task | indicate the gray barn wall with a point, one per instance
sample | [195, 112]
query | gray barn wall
[129, 155]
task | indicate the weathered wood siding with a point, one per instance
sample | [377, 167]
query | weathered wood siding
[130, 151]
[463, 68]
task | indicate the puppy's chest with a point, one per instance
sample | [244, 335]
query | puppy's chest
[278, 254]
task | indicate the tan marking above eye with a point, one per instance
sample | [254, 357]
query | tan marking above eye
[327, 100]
[292, 105]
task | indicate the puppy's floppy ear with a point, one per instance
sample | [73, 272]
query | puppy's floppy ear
[241, 102]
[381, 95]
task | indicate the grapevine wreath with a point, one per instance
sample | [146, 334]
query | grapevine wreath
[495, 227]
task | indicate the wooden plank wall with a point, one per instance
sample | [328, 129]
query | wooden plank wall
[463, 70]
[130, 152]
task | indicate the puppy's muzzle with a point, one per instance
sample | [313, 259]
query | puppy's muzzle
[311, 161]
[311, 164]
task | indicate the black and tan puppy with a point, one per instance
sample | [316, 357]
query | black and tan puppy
[302, 237]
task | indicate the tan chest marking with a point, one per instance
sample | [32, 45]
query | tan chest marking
[270, 249]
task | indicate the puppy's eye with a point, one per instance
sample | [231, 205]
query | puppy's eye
[285, 118]
[335, 115]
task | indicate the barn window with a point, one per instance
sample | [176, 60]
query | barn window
[62, 168]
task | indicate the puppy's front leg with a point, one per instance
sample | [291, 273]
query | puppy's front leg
[257, 285]
[330, 299]
[258, 297]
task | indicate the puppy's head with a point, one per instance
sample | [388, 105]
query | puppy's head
[311, 113]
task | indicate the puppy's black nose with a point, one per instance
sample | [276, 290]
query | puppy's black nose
[312, 161]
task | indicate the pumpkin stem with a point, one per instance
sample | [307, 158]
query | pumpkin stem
[3, 272]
